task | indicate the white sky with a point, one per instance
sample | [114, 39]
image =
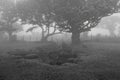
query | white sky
[105, 32]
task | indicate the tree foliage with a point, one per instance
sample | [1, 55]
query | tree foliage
[83, 14]
[74, 16]
[37, 13]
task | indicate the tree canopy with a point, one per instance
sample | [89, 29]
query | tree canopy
[74, 16]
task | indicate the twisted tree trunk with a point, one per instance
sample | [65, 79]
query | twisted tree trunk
[75, 37]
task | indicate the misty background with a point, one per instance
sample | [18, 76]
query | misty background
[107, 29]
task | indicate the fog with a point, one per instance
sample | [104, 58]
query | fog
[59, 39]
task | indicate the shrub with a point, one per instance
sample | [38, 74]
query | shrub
[61, 56]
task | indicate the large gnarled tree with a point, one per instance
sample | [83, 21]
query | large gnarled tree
[77, 16]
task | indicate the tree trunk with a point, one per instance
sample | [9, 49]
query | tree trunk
[75, 38]
[44, 38]
[12, 38]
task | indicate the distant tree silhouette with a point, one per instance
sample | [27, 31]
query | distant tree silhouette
[8, 17]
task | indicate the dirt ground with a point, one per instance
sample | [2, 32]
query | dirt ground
[99, 61]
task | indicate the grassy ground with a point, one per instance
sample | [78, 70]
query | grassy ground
[98, 61]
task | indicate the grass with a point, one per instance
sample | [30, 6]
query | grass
[29, 61]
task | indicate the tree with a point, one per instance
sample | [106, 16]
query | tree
[74, 16]
[37, 13]
[8, 17]
[77, 16]
[47, 31]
